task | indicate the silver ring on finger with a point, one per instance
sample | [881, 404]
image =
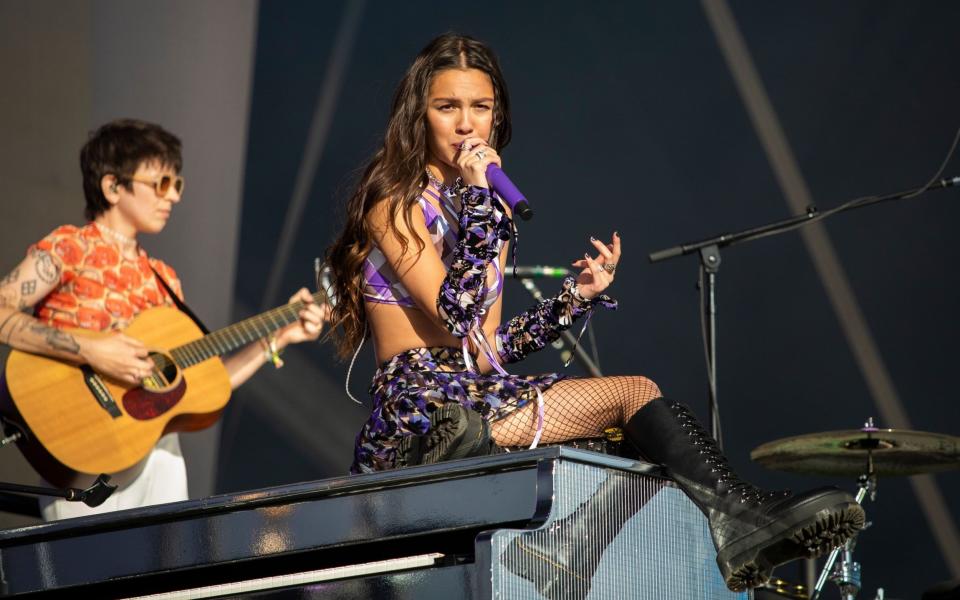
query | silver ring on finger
[480, 154]
[610, 267]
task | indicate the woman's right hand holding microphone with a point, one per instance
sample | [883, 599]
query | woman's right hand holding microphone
[474, 157]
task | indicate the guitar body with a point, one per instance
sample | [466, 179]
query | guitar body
[87, 430]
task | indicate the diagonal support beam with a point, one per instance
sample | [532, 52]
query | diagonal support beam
[316, 141]
[835, 282]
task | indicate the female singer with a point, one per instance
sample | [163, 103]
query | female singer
[419, 265]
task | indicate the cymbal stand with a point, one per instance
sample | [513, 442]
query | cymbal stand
[847, 573]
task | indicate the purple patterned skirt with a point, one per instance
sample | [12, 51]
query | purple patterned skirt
[408, 387]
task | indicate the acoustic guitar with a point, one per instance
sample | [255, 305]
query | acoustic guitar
[76, 421]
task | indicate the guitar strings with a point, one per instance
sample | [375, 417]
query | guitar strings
[224, 340]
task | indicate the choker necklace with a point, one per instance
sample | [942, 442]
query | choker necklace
[116, 235]
[447, 189]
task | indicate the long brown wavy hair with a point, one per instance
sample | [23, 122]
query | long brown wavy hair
[397, 172]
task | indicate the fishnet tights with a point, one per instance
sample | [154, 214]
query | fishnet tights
[577, 408]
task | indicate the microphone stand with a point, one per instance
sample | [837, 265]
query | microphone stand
[578, 352]
[92, 496]
[709, 251]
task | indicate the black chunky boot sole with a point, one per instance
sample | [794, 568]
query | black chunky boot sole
[807, 531]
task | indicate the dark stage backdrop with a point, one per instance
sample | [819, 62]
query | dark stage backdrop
[649, 118]
[627, 117]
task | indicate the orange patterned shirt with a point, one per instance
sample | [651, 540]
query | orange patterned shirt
[99, 287]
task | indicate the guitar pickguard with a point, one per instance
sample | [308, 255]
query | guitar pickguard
[143, 404]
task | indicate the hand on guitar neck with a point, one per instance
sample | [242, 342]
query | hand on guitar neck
[311, 315]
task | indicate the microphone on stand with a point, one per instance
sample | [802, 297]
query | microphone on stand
[504, 188]
[538, 271]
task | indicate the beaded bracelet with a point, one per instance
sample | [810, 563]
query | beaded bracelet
[270, 352]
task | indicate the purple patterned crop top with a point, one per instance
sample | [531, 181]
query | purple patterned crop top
[382, 286]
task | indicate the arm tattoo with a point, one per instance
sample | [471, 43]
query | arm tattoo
[47, 268]
[28, 287]
[56, 339]
[9, 299]
[10, 332]
[11, 277]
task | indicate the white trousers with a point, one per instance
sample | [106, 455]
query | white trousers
[163, 479]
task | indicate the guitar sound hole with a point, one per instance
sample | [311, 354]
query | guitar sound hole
[164, 371]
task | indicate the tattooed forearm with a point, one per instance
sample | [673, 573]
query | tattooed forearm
[9, 299]
[47, 268]
[59, 340]
[56, 339]
[11, 277]
[7, 326]
[21, 326]
[28, 287]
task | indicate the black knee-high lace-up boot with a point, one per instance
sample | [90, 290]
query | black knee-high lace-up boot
[752, 530]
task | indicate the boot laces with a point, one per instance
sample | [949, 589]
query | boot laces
[718, 462]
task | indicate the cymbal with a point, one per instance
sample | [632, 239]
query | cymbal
[848, 452]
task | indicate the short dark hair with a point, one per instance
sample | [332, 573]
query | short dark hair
[119, 148]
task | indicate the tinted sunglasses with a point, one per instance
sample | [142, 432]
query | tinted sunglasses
[163, 184]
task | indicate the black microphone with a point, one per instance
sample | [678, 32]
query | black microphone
[504, 188]
[538, 271]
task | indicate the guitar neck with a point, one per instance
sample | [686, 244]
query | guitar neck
[232, 337]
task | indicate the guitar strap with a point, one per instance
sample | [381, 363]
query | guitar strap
[180, 304]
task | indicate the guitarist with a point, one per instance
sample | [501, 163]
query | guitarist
[98, 277]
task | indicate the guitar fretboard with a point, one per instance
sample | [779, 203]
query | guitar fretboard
[228, 339]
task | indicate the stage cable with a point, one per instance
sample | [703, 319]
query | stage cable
[868, 199]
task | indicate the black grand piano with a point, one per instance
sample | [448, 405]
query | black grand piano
[553, 522]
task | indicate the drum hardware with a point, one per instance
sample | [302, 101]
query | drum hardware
[868, 452]
[847, 573]
[777, 588]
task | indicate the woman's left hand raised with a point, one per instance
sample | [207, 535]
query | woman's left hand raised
[598, 273]
[309, 325]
